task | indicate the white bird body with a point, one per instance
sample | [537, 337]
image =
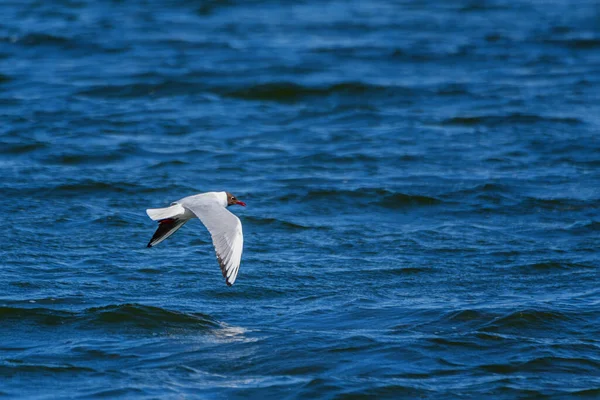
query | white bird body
[224, 227]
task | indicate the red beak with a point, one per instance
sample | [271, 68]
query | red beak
[241, 203]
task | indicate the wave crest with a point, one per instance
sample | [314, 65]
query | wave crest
[127, 315]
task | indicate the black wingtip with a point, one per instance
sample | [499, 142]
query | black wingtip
[149, 245]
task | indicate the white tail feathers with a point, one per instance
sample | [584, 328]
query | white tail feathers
[168, 212]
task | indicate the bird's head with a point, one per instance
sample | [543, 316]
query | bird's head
[231, 200]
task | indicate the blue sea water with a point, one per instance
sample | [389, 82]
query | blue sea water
[422, 181]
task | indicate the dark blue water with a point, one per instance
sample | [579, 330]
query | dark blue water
[422, 181]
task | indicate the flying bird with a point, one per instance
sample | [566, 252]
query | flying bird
[224, 227]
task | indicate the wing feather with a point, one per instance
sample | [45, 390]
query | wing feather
[226, 232]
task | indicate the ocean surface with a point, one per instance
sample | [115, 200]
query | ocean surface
[422, 181]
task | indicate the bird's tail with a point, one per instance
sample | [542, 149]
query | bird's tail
[169, 220]
[172, 211]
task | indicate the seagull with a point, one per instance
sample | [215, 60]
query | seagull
[224, 227]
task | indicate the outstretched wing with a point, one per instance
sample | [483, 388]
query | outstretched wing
[226, 231]
[166, 227]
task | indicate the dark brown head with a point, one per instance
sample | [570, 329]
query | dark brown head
[231, 200]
